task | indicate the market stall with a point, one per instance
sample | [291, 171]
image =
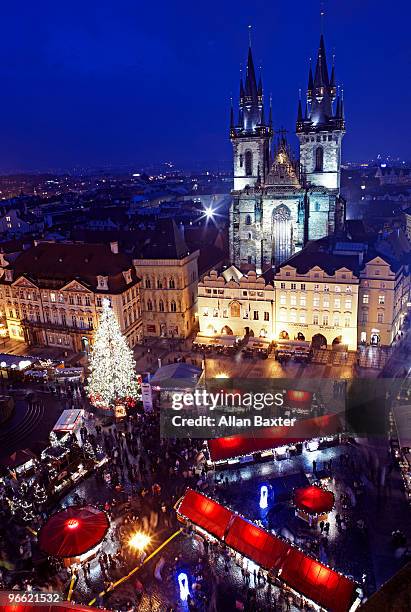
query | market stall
[223, 344]
[74, 534]
[313, 503]
[283, 562]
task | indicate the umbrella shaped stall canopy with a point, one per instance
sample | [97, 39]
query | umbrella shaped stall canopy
[73, 531]
[313, 500]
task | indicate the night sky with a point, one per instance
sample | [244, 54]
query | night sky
[130, 82]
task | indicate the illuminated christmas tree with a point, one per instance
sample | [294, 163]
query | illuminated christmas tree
[39, 496]
[112, 378]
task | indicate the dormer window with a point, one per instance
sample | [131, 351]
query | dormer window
[102, 282]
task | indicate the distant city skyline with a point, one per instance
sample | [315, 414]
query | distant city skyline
[130, 85]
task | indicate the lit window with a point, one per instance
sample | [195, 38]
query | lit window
[365, 298]
[293, 300]
[337, 303]
[283, 299]
[381, 299]
[348, 304]
[53, 297]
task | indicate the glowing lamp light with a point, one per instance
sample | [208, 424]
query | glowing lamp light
[209, 212]
[222, 375]
[183, 584]
[72, 523]
[264, 497]
[139, 541]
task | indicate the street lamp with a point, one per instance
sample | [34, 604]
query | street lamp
[139, 540]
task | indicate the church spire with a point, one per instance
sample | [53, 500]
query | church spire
[300, 109]
[310, 83]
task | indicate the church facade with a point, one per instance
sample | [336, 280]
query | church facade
[280, 203]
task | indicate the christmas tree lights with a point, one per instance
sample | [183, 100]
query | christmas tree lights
[112, 378]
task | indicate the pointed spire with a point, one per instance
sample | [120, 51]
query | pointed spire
[300, 110]
[321, 71]
[250, 80]
[342, 112]
[310, 81]
[260, 85]
[231, 114]
[270, 117]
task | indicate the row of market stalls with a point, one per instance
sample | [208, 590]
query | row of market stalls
[228, 344]
[27, 368]
[285, 564]
[401, 443]
[274, 442]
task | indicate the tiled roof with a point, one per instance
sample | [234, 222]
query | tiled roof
[63, 262]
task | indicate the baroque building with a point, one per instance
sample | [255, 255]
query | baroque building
[280, 203]
[51, 294]
[335, 291]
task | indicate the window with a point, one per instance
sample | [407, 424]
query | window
[266, 316]
[381, 299]
[245, 293]
[316, 300]
[71, 300]
[249, 236]
[336, 321]
[173, 306]
[337, 289]
[225, 313]
[319, 159]
[302, 286]
[235, 309]
[347, 322]
[348, 304]
[326, 288]
[248, 220]
[98, 302]
[255, 317]
[249, 259]
[161, 306]
[348, 288]
[283, 299]
[326, 302]
[282, 286]
[171, 284]
[293, 300]
[364, 316]
[148, 283]
[365, 298]
[248, 163]
[325, 319]
[90, 322]
[79, 301]
[302, 317]
[303, 301]
[317, 207]
[293, 286]
[74, 321]
[87, 298]
[316, 287]
[159, 284]
[215, 312]
[53, 297]
[293, 316]
[337, 303]
[149, 305]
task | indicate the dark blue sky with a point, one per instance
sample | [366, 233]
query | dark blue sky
[126, 81]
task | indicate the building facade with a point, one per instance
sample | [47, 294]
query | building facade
[328, 294]
[51, 294]
[169, 276]
[279, 203]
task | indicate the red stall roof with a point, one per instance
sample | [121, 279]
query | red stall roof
[265, 549]
[313, 499]
[272, 437]
[205, 513]
[317, 582]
